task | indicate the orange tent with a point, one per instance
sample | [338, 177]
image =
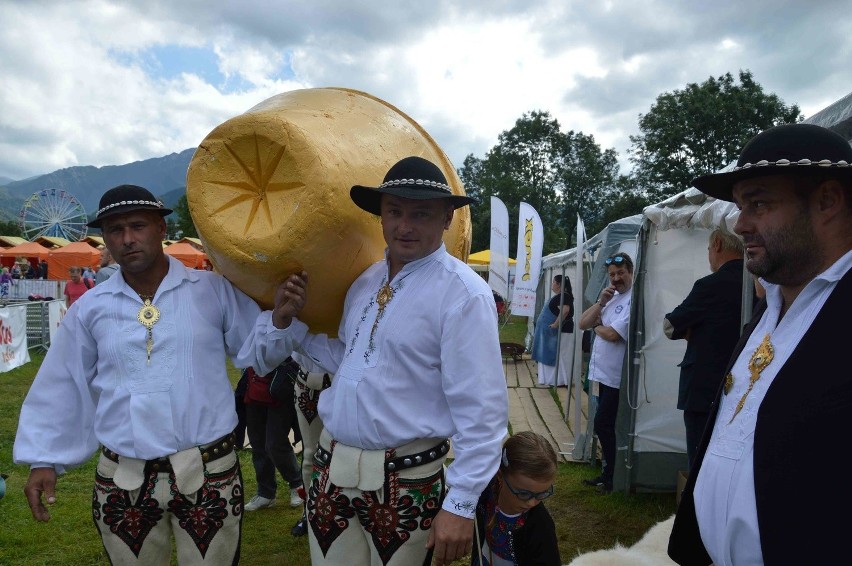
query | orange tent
[33, 252]
[80, 254]
[188, 255]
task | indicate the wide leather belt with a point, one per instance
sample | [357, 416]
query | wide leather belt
[209, 453]
[401, 462]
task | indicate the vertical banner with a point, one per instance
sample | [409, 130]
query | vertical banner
[530, 243]
[498, 267]
[13, 337]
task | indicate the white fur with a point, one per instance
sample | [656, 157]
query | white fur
[649, 551]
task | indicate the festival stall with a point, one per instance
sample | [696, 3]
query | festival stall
[187, 254]
[80, 254]
[30, 251]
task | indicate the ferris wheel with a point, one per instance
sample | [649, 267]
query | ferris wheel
[53, 212]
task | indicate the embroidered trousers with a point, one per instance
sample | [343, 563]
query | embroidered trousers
[137, 526]
[387, 527]
[310, 424]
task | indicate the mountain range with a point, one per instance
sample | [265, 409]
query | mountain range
[164, 176]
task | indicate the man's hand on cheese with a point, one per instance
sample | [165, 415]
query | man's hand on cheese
[289, 299]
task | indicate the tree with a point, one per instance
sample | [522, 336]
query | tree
[557, 173]
[184, 218]
[627, 201]
[588, 178]
[700, 130]
[11, 228]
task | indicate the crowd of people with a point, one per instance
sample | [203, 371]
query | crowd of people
[377, 407]
[80, 278]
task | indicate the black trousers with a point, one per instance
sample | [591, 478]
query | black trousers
[605, 427]
[694, 421]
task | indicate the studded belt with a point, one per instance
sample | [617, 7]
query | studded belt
[209, 453]
[400, 462]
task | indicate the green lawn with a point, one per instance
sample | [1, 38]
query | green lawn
[585, 520]
[515, 330]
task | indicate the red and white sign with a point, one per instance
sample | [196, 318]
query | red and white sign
[13, 337]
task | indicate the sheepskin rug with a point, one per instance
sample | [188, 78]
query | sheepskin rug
[649, 551]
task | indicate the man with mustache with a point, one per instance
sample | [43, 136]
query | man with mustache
[787, 391]
[609, 319]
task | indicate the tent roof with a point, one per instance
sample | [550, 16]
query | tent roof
[692, 209]
[27, 249]
[10, 241]
[484, 258]
[182, 248]
[194, 242]
[96, 241]
[52, 241]
[187, 254]
[80, 254]
[75, 248]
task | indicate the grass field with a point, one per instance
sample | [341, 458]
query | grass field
[585, 521]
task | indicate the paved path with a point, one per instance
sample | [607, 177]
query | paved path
[533, 407]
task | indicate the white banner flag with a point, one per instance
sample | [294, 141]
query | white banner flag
[55, 313]
[13, 337]
[530, 243]
[498, 267]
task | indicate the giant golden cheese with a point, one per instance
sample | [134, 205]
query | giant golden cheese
[268, 191]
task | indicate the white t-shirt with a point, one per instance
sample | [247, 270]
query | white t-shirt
[607, 357]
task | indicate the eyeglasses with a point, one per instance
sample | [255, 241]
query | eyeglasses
[616, 259]
[526, 495]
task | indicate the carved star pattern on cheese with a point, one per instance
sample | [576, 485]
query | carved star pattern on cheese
[256, 184]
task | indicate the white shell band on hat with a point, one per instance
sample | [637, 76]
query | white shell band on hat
[788, 163]
[156, 204]
[434, 184]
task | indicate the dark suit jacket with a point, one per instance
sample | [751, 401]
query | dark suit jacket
[713, 311]
[801, 457]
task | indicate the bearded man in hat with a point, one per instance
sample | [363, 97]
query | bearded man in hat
[787, 392]
[417, 362]
[137, 367]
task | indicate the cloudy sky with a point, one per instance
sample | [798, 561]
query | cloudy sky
[107, 83]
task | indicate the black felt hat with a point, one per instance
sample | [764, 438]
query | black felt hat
[791, 149]
[126, 198]
[412, 178]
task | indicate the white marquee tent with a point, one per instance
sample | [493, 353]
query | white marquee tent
[671, 255]
[669, 245]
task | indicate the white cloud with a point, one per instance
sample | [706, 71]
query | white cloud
[81, 87]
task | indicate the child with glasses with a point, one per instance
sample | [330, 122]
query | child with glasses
[512, 526]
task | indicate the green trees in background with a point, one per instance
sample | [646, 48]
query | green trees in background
[11, 228]
[701, 129]
[184, 219]
[686, 133]
[557, 173]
